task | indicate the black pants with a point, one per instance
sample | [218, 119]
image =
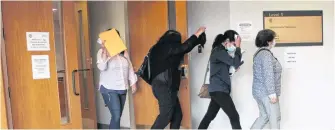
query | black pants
[169, 106]
[224, 101]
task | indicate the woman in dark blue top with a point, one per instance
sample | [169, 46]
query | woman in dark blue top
[220, 86]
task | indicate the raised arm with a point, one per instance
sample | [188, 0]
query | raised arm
[223, 56]
[102, 61]
[189, 44]
[184, 48]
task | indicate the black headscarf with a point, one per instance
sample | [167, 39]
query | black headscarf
[169, 37]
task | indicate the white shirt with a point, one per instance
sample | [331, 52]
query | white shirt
[115, 72]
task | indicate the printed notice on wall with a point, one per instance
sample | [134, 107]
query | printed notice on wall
[40, 66]
[38, 41]
[290, 57]
[245, 30]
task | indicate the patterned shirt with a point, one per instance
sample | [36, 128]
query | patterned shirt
[266, 75]
[116, 73]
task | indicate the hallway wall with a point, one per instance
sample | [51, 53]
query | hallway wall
[104, 15]
[307, 90]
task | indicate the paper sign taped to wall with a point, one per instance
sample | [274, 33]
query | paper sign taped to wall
[113, 42]
[244, 28]
[290, 58]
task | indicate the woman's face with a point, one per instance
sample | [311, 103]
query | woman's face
[228, 44]
[272, 43]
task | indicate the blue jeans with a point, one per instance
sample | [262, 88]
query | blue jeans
[268, 113]
[115, 103]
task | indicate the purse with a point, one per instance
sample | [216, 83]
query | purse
[204, 88]
[145, 70]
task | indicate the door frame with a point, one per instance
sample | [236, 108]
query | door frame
[4, 78]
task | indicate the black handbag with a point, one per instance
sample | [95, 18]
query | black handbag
[145, 71]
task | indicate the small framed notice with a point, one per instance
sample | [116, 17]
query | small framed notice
[38, 41]
[244, 29]
[40, 66]
[295, 28]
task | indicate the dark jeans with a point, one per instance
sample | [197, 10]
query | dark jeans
[221, 100]
[169, 106]
[115, 103]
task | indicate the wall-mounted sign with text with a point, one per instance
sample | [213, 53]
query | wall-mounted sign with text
[295, 28]
[38, 41]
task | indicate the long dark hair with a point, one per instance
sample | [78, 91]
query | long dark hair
[228, 35]
[170, 36]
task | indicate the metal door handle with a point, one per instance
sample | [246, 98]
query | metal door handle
[74, 79]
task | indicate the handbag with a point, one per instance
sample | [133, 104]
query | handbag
[145, 70]
[204, 88]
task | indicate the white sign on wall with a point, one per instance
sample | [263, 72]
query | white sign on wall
[38, 41]
[40, 66]
[245, 30]
[290, 57]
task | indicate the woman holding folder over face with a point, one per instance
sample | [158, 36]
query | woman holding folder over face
[116, 75]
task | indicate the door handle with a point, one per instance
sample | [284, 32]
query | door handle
[184, 71]
[74, 79]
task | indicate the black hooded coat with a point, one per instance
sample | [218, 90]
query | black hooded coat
[167, 54]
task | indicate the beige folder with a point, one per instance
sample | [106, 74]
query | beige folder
[113, 42]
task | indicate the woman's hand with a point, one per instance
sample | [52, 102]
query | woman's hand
[105, 55]
[133, 88]
[237, 69]
[273, 98]
[238, 41]
[200, 31]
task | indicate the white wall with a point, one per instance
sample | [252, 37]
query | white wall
[104, 15]
[307, 99]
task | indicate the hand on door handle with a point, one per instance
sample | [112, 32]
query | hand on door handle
[74, 80]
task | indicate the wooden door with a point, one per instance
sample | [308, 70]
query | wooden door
[34, 103]
[147, 22]
[51, 102]
[87, 89]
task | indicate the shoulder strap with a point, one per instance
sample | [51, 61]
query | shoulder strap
[149, 64]
[206, 72]
[207, 68]
[260, 51]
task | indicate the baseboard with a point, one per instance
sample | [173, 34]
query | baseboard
[106, 126]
